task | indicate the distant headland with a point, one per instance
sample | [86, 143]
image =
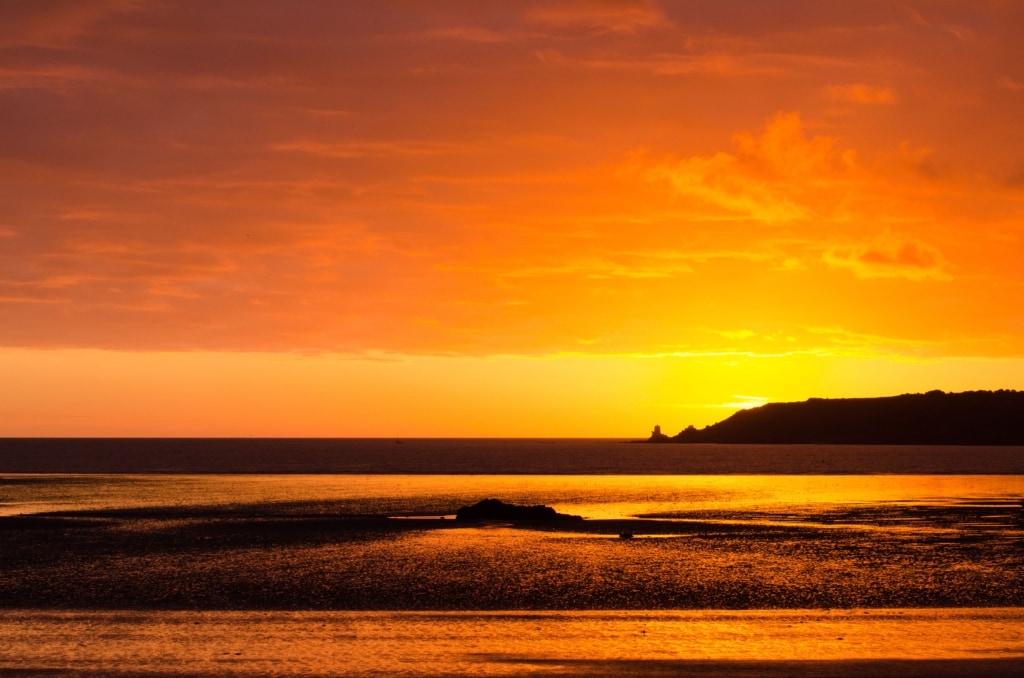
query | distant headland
[933, 418]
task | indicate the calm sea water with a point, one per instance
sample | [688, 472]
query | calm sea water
[591, 496]
[490, 456]
[255, 558]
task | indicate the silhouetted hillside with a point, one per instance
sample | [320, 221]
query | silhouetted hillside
[933, 418]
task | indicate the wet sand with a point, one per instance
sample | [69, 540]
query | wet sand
[965, 668]
[759, 643]
[856, 668]
[193, 590]
[280, 558]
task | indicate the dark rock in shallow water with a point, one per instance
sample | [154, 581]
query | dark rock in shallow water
[495, 509]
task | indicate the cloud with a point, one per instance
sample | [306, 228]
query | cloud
[671, 64]
[1011, 84]
[720, 181]
[467, 34]
[55, 24]
[860, 93]
[891, 256]
[721, 56]
[604, 266]
[766, 178]
[742, 402]
[788, 152]
[85, 215]
[603, 15]
[736, 334]
[366, 149]
[842, 341]
[51, 77]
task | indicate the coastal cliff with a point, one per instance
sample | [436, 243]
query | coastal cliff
[933, 418]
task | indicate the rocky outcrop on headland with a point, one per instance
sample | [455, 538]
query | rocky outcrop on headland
[495, 509]
[933, 418]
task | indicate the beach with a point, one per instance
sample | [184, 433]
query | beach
[233, 559]
[371, 574]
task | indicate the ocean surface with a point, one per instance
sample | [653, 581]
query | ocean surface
[343, 557]
[489, 457]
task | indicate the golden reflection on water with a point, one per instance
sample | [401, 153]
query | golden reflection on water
[660, 494]
[600, 496]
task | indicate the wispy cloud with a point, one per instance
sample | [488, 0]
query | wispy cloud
[467, 34]
[1012, 84]
[56, 24]
[891, 255]
[743, 402]
[365, 149]
[859, 93]
[602, 15]
[721, 58]
[661, 64]
[52, 77]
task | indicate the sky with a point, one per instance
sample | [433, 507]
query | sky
[463, 218]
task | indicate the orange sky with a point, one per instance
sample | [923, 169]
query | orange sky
[563, 218]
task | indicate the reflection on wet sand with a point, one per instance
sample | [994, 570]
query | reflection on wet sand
[904, 643]
[276, 556]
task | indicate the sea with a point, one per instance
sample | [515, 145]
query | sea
[303, 557]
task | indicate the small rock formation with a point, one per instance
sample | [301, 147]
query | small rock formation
[657, 436]
[495, 509]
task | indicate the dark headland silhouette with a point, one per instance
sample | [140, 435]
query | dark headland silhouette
[933, 418]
